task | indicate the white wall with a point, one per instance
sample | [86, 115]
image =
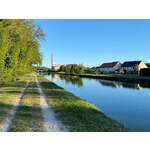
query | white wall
[142, 65]
[109, 70]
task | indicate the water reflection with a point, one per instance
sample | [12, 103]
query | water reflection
[112, 84]
[78, 81]
[129, 107]
[75, 80]
[55, 77]
[115, 84]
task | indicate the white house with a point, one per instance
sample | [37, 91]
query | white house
[110, 67]
[56, 67]
[130, 66]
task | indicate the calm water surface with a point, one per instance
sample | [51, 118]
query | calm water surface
[125, 102]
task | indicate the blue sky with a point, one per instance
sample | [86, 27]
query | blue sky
[92, 42]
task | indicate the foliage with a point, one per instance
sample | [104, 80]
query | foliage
[136, 69]
[35, 68]
[98, 71]
[19, 48]
[89, 70]
[148, 65]
[145, 72]
[75, 80]
[72, 68]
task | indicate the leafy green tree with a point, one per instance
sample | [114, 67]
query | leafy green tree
[62, 68]
[72, 68]
[136, 69]
[19, 48]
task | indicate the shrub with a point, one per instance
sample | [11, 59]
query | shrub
[72, 68]
[145, 72]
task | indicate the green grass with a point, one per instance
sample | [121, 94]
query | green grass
[9, 95]
[77, 114]
[29, 116]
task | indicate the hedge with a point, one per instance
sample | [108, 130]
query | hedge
[145, 72]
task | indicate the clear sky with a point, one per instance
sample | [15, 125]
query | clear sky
[92, 42]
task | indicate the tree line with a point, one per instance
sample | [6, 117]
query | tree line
[72, 68]
[19, 48]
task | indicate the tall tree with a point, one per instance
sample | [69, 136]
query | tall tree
[19, 47]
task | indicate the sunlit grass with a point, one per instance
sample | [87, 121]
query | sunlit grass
[76, 113]
[9, 95]
[29, 116]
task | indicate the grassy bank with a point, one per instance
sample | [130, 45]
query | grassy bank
[76, 113]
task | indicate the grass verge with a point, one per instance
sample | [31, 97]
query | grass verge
[9, 95]
[75, 113]
[29, 116]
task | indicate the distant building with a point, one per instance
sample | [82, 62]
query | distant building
[110, 67]
[130, 66]
[54, 67]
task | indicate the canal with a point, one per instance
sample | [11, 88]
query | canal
[127, 103]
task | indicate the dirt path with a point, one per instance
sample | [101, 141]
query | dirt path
[8, 121]
[52, 124]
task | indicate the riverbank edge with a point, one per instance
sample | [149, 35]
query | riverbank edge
[74, 111]
[112, 77]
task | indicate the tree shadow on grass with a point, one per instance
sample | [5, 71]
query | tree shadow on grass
[86, 119]
[76, 113]
[27, 119]
[13, 84]
[4, 110]
[49, 85]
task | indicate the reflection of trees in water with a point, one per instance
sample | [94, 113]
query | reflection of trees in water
[75, 80]
[52, 75]
[131, 85]
[55, 77]
[145, 85]
[72, 79]
[115, 84]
